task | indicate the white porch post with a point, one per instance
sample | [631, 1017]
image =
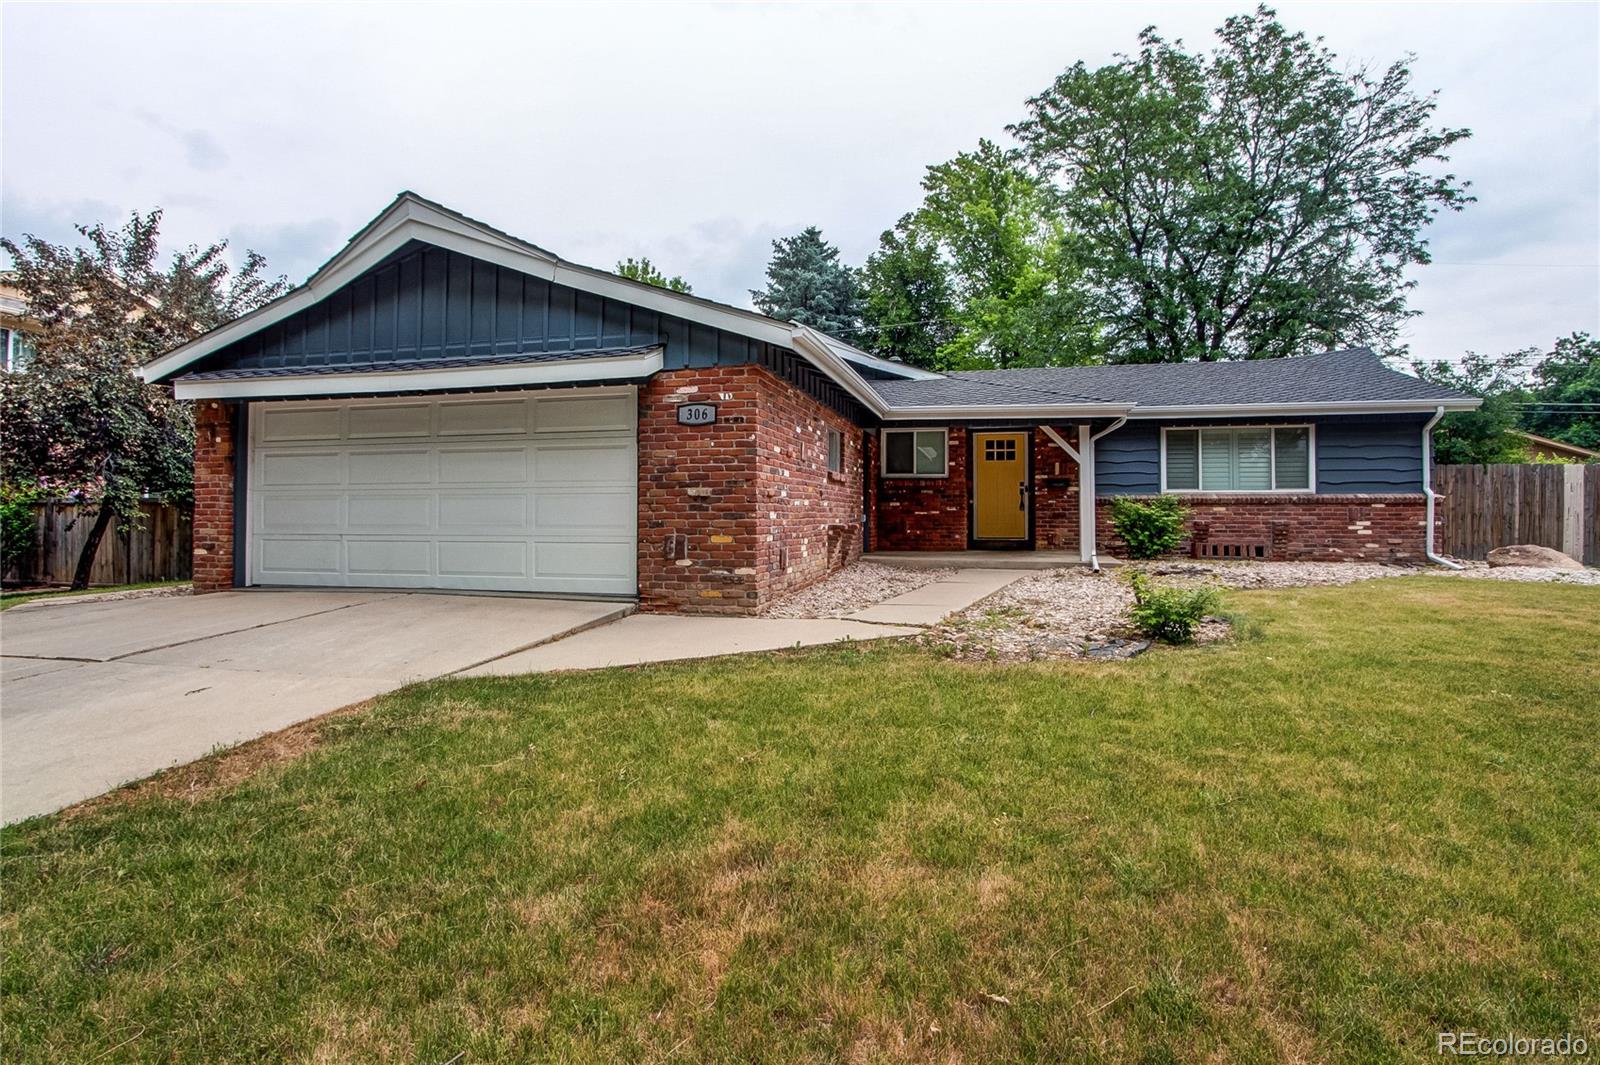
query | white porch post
[1085, 493]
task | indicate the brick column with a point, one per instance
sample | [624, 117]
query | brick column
[214, 456]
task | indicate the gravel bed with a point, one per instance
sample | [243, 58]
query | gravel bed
[858, 585]
[1077, 613]
[107, 597]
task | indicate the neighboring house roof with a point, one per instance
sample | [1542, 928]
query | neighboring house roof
[1351, 381]
[1557, 448]
[1351, 378]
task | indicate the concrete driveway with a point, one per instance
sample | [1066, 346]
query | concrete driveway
[95, 695]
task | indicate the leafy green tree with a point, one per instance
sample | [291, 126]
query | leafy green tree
[642, 269]
[1564, 394]
[1255, 201]
[78, 421]
[1017, 291]
[908, 309]
[807, 283]
[1483, 435]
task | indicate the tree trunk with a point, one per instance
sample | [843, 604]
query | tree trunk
[91, 547]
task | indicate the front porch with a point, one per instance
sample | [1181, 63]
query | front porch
[981, 559]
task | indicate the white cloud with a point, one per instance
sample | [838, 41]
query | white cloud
[695, 134]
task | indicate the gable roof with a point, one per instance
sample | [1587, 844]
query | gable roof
[411, 217]
[1353, 378]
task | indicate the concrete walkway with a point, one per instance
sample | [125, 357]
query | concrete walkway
[642, 638]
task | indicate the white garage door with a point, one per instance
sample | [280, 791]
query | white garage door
[534, 492]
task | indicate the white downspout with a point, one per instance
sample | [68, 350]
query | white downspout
[1086, 476]
[1427, 490]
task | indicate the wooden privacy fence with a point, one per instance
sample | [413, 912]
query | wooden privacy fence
[158, 549]
[1484, 507]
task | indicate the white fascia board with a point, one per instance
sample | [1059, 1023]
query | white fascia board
[653, 297]
[619, 368]
[1244, 410]
[1040, 410]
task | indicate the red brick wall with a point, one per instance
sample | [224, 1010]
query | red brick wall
[1332, 528]
[933, 514]
[923, 513]
[1055, 510]
[213, 496]
[733, 515]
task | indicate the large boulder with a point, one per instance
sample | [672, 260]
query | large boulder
[1532, 556]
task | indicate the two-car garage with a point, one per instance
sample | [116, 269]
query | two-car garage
[511, 491]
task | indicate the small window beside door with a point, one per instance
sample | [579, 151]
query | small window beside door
[835, 451]
[915, 453]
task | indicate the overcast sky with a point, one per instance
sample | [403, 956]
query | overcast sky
[695, 134]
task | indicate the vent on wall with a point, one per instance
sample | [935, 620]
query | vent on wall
[1226, 549]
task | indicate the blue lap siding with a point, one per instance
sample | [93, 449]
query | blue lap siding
[1377, 454]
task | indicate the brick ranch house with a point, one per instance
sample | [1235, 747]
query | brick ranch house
[445, 406]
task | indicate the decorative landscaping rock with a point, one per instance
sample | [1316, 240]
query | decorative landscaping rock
[1107, 650]
[1532, 556]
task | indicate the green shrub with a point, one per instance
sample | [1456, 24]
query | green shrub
[1170, 614]
[18, 523]
[1149, 527]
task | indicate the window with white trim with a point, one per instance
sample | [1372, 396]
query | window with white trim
[915, 453]
[835, 451]
[1245, 458]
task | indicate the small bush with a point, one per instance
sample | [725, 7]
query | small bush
[1149, 527]
[18, 524]
[1170, 614]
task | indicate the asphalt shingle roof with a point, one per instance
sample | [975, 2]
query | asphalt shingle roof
[401, 366]
[1350, 375]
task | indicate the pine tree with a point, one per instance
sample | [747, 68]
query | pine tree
[807, 283]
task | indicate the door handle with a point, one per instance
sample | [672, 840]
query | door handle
[1022, 495]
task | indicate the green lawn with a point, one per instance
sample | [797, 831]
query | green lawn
[11, 599]
[1378, 818]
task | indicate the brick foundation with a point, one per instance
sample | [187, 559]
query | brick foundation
[735, 514]
[214, 455]
[1324, 528]
[934, 513]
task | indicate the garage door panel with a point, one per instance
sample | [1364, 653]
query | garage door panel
[281, 424]
[588, 560]
[594, 464]
[286, 556]
[290, 513]
[526, 493]
[483, 466]
[483, 558]
[483, 417]
[587, 414]
[482, 510]
[568, 512]
[375, 557]
[391, 512]
[386, 420]
[296, 469]
[391, 466]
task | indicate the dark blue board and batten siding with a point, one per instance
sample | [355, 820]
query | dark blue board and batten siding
[429, 303]
[1378, 454]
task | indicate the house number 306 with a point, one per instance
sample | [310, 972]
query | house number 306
[697, 414]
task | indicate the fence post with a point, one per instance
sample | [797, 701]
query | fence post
[1572, 539]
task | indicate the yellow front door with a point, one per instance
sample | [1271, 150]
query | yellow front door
[1000, 486]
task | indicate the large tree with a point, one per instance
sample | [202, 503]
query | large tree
[908, 310]
[1018, 291]
[642, 269]
[1563, 400]
[78, 420]
[807, 283]
[1482, 435]
[1258, 200]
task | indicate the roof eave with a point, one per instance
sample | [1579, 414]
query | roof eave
[1369, 406]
